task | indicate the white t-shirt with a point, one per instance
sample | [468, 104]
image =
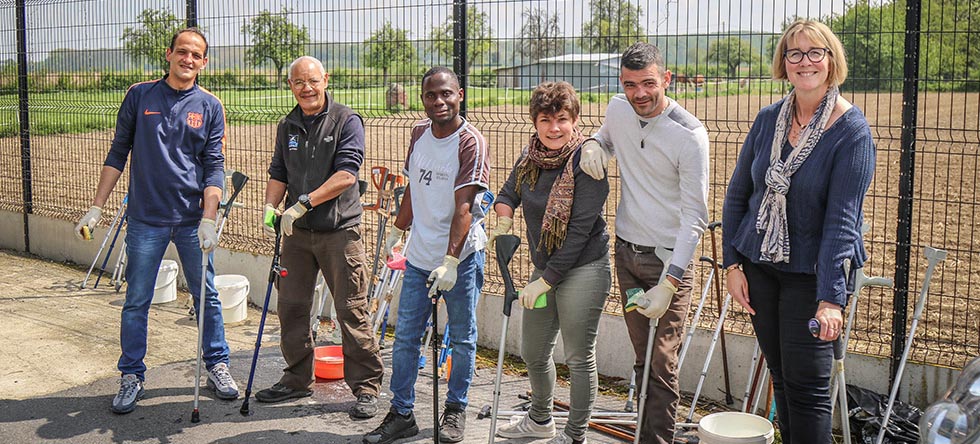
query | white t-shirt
[663, 164]
[435, 169]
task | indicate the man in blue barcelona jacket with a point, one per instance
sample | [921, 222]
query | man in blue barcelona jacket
[174, 131]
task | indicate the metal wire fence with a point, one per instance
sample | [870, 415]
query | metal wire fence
[66, 64]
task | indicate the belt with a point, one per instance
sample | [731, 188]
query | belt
[636, 248]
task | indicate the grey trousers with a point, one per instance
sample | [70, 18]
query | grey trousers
[574, 308]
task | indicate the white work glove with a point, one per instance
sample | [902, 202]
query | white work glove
[444, 276]
[207, 234]
[503, 226]
[269, 221]
[289, 217]
[655, 302]
[393, 240]
[594, 159]
[90, 220]
[531, 292]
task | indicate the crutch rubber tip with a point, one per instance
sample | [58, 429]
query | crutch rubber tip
[484, 412]
[196, 416]
[244, 410]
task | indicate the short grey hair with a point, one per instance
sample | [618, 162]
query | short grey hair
[301, 59]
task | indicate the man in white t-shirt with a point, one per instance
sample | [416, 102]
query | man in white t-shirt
[448, 172]
[663, 163]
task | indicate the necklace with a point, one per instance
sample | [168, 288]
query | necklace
[796, 117]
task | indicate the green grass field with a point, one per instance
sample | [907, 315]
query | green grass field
[81, 112]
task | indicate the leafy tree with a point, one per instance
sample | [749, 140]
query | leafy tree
[274, 39]
[730, 52]
[146, 42]
[874, 43]
[386, 47]
[615, 25]
[540, 35]
[479, 37]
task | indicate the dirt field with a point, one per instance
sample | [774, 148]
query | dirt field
[65, 170]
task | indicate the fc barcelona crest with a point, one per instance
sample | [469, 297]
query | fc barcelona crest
[195, 120]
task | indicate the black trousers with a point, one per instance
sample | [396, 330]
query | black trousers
[800, 365]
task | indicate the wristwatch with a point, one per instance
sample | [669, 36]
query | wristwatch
[304, 199]
[735, 266]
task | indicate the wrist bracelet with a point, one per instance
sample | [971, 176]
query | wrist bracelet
[735, 266]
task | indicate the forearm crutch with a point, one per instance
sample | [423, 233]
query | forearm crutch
[112, 225]
[711, 349]
[934, 255]
[697, 313]
[238, 181]
[506, 245]
[664, 255]
[724, 347]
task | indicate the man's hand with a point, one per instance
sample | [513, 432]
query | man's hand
[269, 220]
[289, 217]
[658, 299]
[90, 220]
[503, 226]
[393, 240]
[443, 277]
[207, 234]
[531, 292]
[594, 159]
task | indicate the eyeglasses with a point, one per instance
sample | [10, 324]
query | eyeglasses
[816, 55]
[301, 84]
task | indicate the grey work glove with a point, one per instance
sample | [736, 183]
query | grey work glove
[655, 302]
[89, 220]
[207, 234]
[289, 218]
[444, 276]
[594, 159]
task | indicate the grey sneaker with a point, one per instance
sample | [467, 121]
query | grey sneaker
[219, 380]
[525, 427]
[565, 439]
[130, 391]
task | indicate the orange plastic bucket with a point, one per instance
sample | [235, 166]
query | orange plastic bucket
[328, 362]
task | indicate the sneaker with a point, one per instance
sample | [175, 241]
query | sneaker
[219, 380]
[565, 439]
[393, 428]
[366, 407]
[279, 392]
[453, 425]
[130, 391]
[525, 427]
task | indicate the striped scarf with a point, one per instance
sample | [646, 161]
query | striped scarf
[558, 210]
[772, 212]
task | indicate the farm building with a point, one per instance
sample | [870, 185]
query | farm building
[586, 72]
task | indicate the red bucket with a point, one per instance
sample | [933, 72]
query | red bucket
[328, 362]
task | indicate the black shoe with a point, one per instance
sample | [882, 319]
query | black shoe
[366, 407]
[393, 428]
[279, 392]
[453, 425]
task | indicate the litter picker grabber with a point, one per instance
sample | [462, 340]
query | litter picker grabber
[274, 271]
[697, 313]
[934, 256]
[112, 225]
[435, 369]
[712, 227]
[506, 246]
[238, 181]
[108, 253]
[664, 255]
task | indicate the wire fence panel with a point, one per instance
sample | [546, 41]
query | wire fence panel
[83, 55]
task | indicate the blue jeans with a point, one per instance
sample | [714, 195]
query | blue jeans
[414, 308]
[145, 245]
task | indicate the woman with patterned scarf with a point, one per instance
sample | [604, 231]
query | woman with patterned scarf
[792, 219]
[569, 246]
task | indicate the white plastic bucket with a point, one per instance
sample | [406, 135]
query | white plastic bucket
[735, 428]
[165, 288]
[233, 294]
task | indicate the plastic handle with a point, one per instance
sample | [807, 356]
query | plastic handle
[506, 245]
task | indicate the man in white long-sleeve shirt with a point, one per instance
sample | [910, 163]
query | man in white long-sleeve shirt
[663, 163]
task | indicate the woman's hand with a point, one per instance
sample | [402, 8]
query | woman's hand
[831, 318]
[738, 287]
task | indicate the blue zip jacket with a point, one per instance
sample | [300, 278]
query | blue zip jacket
[176, 139]
[823, 206]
